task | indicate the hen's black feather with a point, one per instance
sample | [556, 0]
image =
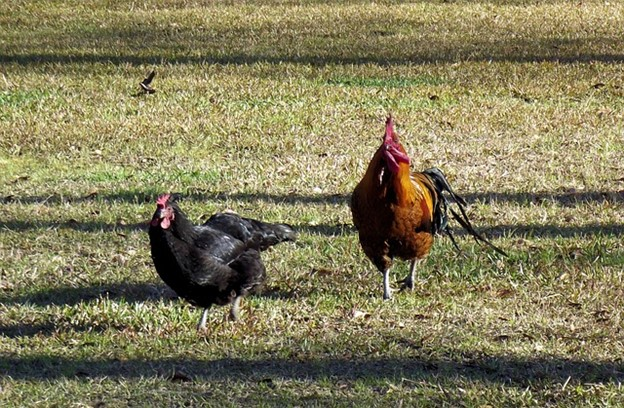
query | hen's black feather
[215, 262]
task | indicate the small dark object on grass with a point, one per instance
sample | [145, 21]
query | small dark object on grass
[146, 83]
[179, 376]
[268, 382]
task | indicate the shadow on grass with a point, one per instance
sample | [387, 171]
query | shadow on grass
[565, 199]
[129, 292]
[512, 370]
[142, 197]
[496, 231]
[82, 226]
[21, 330]
[332, 230]
[548, 230]
[504, 51]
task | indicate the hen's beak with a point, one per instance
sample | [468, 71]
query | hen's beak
[156, 217]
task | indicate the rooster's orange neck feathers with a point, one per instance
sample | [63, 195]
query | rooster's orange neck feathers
[379, 178]
[393, 182]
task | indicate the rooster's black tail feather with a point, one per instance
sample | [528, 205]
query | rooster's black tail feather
[441, 218]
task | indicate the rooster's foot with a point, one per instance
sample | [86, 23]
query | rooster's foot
[408, 282]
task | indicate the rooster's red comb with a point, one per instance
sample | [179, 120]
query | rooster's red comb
[162, 200]
[390, 134]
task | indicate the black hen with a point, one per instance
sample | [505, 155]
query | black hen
[214, 263]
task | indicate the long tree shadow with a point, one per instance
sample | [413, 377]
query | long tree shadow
[566, 198]
[245, 59]
[551, 230]
[509, 370]
[142, 197]
[538, 50]
[82, 226]
[48, 328]
[332, 230]
[496, 231]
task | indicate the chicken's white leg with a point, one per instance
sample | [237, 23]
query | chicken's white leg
[386, 283]
[409, 280]
[202, 322]
[235, 306]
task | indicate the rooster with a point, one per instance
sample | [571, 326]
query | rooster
[214, 263]
[398, 212]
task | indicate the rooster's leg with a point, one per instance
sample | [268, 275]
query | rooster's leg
[409, 280]
[202, 322]
[386, 282]
[235, 306]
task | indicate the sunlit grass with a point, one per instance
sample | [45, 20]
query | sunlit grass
[273, 109]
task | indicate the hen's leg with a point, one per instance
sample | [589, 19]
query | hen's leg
[202, 322]
[409, 280]
[234, 314]
[386, 283]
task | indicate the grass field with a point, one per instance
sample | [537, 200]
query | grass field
[273, 109]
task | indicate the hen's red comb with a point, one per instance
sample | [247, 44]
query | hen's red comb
[162, 200]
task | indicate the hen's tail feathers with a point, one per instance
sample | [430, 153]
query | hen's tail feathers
[441, 219]
[266, 234]
[256, 234]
